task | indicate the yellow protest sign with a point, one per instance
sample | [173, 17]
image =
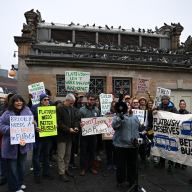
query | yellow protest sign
[47, 121]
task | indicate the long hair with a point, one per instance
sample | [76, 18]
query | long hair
[14, 98]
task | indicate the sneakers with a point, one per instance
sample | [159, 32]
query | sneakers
[64, 178]
[82, 173]
[94, 172]
[23, 187]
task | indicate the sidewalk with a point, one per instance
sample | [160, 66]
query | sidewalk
[150, 178]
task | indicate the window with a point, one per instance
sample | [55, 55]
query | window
[121, 84]
[97, 85]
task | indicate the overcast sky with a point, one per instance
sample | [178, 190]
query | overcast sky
[128, 13]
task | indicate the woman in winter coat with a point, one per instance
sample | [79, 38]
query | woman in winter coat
[15, 155]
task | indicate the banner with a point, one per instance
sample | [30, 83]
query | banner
[105, 103]
[159, 93]
[47, 121]
[95, 125]
[22, 130]
[142, 85]
[35, 90]
[77, 81]
[173, 137]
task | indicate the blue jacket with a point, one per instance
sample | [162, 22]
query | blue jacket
[126, 130]
[9, 151]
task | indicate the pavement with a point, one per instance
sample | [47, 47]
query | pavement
[150, 178]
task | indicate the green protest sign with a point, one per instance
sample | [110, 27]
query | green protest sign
[77, 81]
[47, 121]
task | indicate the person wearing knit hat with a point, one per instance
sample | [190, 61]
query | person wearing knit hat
[166, 105]
[42, 145]
[43, 96]
[143, 103]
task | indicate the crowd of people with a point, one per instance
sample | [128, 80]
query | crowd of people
[120, 152]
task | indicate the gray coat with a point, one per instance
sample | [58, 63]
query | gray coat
[126, 130]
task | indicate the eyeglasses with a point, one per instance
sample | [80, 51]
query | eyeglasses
[46, 99]
[92, 99]
[127, 98]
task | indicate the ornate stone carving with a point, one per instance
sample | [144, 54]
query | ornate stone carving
[32, 20]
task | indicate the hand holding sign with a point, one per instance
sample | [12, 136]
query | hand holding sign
[22, 142]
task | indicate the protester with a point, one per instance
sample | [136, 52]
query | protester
[182, 110]
[166, 105]
[42, 146]
[15, 155]
[88, 143]
[125, 138]
[142, 103]
[67, 127]
[3, 178]
[109, 147]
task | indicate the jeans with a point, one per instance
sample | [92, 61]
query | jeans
[41, 149]
[15, 171]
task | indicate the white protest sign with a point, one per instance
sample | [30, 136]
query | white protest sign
[142, 85]
[159, 93]
[111, 131]
[77, 81]
[105, 103]
[141, 114]
[21, 129]
[35, 90]
[94, 125]
[173, 137]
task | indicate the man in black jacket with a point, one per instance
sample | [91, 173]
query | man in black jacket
[67, 127]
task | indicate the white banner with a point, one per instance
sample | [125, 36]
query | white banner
[95, 125]
[105, 103]
[159, 93]
[22, 130]
[77, 81]
[173, 137]
[35, 90]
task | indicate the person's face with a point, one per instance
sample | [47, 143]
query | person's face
[165, 101]
[182, 105]
[69, 103]
[150, 105]
[45, 101]
[18, 104]
[127, 99]
[91, 101]
[135, 104]
[97, 102]
[142, 102]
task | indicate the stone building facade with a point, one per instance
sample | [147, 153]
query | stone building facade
[115, 58]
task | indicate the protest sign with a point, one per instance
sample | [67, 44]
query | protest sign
[22, 130]
[77, 81]
[173, 137]
[142, 115]
[35, 90]
[159, 93]
[94, 125]
[105, 103]
[47, 121]
[142, 85]
[111, 131]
